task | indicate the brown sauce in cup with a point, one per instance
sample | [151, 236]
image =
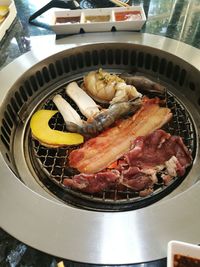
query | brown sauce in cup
[71, 20]
[185, 261]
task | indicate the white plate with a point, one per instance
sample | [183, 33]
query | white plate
[5, 25]
[182, 248]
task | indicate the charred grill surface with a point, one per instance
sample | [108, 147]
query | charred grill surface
[52, 165]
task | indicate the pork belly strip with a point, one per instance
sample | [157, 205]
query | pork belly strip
[97, 153]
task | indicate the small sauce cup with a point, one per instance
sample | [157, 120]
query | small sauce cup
[181, 254]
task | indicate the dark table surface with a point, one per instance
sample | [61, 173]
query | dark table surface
[176, 19]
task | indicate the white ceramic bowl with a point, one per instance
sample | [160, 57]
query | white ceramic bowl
[181, 248]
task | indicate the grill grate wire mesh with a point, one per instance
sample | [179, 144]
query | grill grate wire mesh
[52, 163]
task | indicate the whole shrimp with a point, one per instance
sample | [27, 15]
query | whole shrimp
[143, 84]
[105, 118]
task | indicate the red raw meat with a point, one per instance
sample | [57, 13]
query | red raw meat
[157, 148]
[158, 152]
[135, 179]
[93, 183]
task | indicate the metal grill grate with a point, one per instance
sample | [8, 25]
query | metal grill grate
[52, 163]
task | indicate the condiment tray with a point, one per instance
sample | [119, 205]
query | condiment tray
[98, 20]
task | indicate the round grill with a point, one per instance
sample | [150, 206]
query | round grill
[53, 164]
[49, 166]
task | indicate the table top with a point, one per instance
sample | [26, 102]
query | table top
[176, 19]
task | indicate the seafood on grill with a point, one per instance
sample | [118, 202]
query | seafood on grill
[142, 83]
[112, 88]
[97, 120]
[108, 88]
[105, 118]
[152, 155]
[111, 144]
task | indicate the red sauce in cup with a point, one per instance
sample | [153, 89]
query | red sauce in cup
[127, 15]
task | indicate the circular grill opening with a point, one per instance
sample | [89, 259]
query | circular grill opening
[37, 87]
[52, 164]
